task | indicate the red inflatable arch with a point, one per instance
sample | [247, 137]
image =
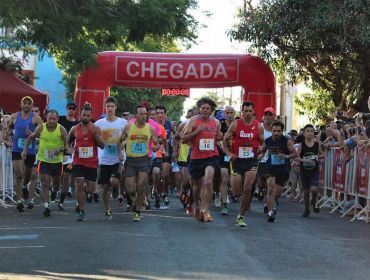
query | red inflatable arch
[174, 70]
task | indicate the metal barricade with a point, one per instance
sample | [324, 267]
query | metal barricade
[6, 173]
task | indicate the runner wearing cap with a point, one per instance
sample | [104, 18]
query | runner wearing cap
[50, 154]
[67, 121]
[202, 132]
[23, 123]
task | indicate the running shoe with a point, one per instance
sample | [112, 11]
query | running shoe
[96, 197]
[77, 209]
[217, 200]
[271, 217]
[316, 208]
[108, 215]
[190, 210]
[60, 206]
[20, 206]
[225, 211]
[147, 205]
[240, 221]
[136, 217]
[89, 197]
[47, 212]
[30, 204]
[265, 209]
[81, 216]
[166, 201]
[207, 217]
[306, 213]
[198, 215]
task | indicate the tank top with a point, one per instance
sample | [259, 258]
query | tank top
[51, 145]
[85, 149]
[184, 152]
[20, 135]
[266, 133]
[309, 153]
[137, 143]
[204, 144]
[273, 149]
[246, 140]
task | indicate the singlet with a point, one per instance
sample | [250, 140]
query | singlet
[246, 140]
[204, 144]
[20, 135]
[271, 157]
[159, 153]
[266, 133]
[309, 153]
[66, 123]
[85, 149]
[137, 143]
[51, 145]
[111, 133]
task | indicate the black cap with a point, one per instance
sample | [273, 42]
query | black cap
[71, 103]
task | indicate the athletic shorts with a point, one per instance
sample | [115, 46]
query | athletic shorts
[183, 163]
[52, 169]
[223, 163]
[81, 171]
[166, 159]
[310, 179]
[242, 165]
[29, 161]
[108, 171]
[281, 173]
[157, 162]
[67, 168]
[197, 167]
[135, 165]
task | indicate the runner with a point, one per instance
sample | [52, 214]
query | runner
[225, 162]
[203, 132]
[23, 123]
[87, 138]
[67, 122]
[137, 165]
[278, 150]
[109, 158]
[50, 155]
[309, 152]
[247, 136]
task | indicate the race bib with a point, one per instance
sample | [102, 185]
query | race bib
[139, 148]
[277, 160]
[51, 154]
[246, 152]
[85, 152]
[206, 144]
[67, 160]
[311, 165]
[226, 158]
[22, 142]
[110, 150]
[175, 167]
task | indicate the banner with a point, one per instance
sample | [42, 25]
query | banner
[339, 170]
[362, 179]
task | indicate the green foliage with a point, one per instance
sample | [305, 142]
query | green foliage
[318, 106]
[323, 42]
[220, 100]
[129, 98]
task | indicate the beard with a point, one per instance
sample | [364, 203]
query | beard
[85, 121]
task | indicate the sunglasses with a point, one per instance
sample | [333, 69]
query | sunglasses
[71, 108]
[35, 111]
[125, 115]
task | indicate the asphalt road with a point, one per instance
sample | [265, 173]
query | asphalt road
[168, 244]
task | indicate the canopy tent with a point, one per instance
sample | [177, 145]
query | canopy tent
[13, 89]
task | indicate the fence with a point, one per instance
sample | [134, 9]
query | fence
[6, 173]
[346, 181]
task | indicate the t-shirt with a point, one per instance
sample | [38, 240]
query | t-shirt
[111, 133]
[66, 123]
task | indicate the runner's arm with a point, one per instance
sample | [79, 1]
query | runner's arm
[228, 135]
[70, 139]
[154, 138]
[190, 131]
[321, 152]
[98, 137]
[261, 132]
[64, 137]
[37, 120]
[291, 149]
[29, 139]
[124, 133]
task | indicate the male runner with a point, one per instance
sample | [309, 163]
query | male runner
[50, 154]
[87, 138]
[247, 136]
[203, 132]
[23, 123]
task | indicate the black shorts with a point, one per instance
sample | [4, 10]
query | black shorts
[183, 163]
[135, 165]
[197, 167]
[167, 159]
[67, 168]
[309, 179]
[29, 162]
[88, 173]
[242, 165]
[108, 171]
[157, 162]
[223, 163]
[281, 173]
[52, 169]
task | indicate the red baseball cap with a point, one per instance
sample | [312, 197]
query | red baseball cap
[269, 110]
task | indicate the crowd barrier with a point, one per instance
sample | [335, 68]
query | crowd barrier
[6, 180]
[346, 182]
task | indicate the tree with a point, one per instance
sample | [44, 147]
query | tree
[325, 43]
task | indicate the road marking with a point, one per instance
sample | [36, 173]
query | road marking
[17, 228]
[21, 247]
[19, 237]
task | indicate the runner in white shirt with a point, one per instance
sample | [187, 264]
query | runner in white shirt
[110, 157]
